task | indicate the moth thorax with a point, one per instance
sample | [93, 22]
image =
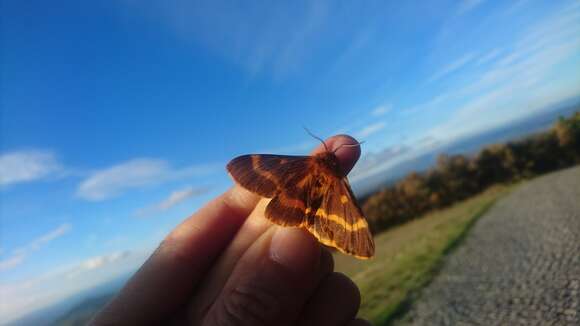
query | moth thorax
[328, 162]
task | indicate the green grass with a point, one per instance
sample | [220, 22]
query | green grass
[408, 256]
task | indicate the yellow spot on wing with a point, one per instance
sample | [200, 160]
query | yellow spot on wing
[333, 244]
[343, 199]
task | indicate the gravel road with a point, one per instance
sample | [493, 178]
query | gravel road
[519, 264]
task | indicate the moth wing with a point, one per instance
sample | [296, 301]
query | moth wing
[288, 207]
[339, 222]
[282, 177]
[266, 174]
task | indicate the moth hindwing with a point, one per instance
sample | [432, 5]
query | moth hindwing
[308, 192]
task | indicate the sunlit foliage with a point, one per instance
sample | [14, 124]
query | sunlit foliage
[458, 177]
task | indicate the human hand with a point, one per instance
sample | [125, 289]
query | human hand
[228, 265]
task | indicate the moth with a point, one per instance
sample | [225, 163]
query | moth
[308, 192]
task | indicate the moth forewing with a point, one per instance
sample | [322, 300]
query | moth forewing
[309, 192]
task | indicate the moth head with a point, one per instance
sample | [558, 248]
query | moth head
[329, 161]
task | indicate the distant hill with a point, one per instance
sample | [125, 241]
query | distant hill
[82, 313]
[74, 307]
[468, 145]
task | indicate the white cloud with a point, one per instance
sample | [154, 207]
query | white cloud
[11, 262]
[432, 103]
[34, 293]
[381, 110]
[370, 129]
[26, 166]
[93, 263]
[361, 39]
[468, 5]
[178, 196]
[19, 255]
[520, 81]
[452, 67]
[515, 6]
[372, 159]
[488, 56]
[511, 93]
[137, 173]
[294, 49]
[285, 38]
[173, 199]
[100, 261]
[48, 237]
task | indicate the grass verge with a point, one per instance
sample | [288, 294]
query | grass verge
[408, 256]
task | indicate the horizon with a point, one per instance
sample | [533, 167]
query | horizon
[118, 119]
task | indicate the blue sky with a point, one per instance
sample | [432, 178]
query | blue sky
[118, 117]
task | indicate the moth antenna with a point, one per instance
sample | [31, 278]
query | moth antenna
[347, 145]
[314, 136]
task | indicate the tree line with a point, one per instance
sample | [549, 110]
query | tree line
[455, 178]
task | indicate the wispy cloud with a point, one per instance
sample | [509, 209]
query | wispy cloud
[26, 166]
[178, 196]
[370, 129]
[468, 5]
[99, 262]
[488, 56]
[515, 6]
[306, 31]
[432, 103]
[285, 38]
[372, 159]
[19, 255]
[137, 173]
[361, 41]
[512, 87]
[34, 293]
[173, 199]
[11, 262]
[48, 237]
[452, 67]
[381, 110]
[516, 82]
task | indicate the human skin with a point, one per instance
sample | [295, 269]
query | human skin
[228, 265]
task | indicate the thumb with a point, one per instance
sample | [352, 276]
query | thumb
[272, 281]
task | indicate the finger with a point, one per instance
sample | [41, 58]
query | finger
[359, 322]
[167, 279]
[252, 229]
[216, 278]
[271, 282]
[347, 156]
[326, 264]
[335, 302]
[213, 285]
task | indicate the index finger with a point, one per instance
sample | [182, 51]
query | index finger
[168, 278]
[255, 226]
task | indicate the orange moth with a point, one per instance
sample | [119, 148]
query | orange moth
[308, 192]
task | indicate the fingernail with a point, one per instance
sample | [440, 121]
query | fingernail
[294, 249]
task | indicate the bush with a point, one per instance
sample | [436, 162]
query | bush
[458, 177]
